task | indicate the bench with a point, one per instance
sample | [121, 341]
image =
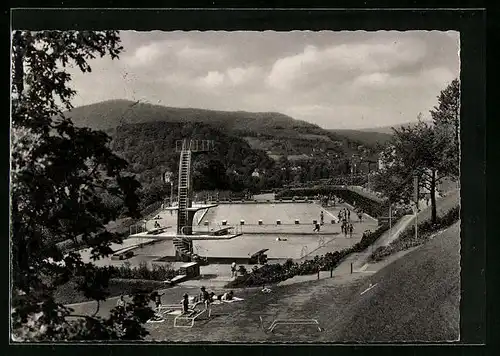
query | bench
[223, 231]
[178, 279]
[258, 257]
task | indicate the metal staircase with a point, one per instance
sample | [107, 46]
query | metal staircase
[184, 180]
[183, 245]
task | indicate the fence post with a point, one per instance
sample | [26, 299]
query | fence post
[331, 271]
[351, 267]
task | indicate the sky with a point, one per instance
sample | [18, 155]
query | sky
[337, 80]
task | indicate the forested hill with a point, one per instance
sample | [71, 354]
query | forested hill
[275, 133]
[150, 149]
[112, 113]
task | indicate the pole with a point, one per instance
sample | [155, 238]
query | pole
[171, 193]
[416, 221]
[390, 219]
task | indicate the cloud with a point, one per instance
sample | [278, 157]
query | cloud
[285, 70]
[352, 58]
[230, 78]
[432, 76]
[212, 79]
[144, 55]
[181, 51]
[334, 79]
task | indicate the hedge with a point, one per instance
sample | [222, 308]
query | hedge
[275, 273]
[157, 273]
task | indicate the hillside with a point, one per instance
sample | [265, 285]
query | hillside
[276, 133]
[150, 149]
[112, 113]
[415, 298]
[369, 138]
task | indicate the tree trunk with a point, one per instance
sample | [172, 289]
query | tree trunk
[433, 197]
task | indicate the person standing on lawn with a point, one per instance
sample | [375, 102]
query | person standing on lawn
[233, 270]
[322, 217]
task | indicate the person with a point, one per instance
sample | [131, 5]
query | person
[360, 216]
[322, 217]
[316, 228]
[158, 300]
[205, 299]
[185, 303]
[346, 228]
[228, 296]
[121, 302]
[348, 215]
[157, 225]
[233, 269]
[351, 228]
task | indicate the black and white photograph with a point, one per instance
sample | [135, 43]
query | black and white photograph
[235, 186]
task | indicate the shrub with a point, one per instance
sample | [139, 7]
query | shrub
[157, 273]
[242, 270]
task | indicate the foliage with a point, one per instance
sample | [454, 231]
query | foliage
[430, 152]
[156, 273]
[59, 174]
[446, 118]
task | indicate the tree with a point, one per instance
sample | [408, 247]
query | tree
[413, 151]
[59, 173]
[446, 118]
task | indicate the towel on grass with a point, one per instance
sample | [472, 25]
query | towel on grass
[235, 299]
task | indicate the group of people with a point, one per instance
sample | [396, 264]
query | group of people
[347, 228]
[204, 298]
[345, 218]
[326, 199]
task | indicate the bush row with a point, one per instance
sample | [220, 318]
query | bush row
[275, 273]
[407, 238]
[156, 273]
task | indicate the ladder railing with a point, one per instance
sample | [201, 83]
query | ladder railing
[184, 180]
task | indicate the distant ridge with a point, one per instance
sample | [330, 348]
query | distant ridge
[387, 129]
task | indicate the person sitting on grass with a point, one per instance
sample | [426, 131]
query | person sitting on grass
[185, 304]
[157, 298]
[121, 302]
[204, 299]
